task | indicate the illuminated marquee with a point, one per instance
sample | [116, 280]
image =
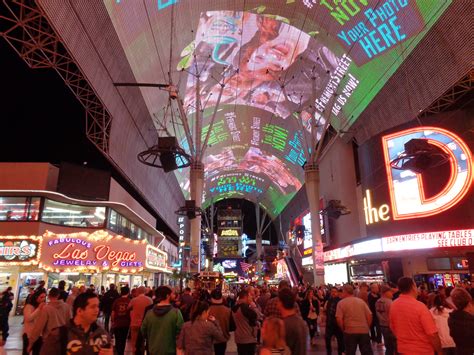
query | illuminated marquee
[414, 241]
[93, 252]
[20, 250]
[156, 259]
[229, 233]
[408, 198]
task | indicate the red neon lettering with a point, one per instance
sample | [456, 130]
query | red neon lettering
[103, 251]
[67, 253]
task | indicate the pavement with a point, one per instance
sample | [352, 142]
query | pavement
[14, 343]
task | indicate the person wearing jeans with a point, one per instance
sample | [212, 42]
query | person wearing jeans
[332, 329]
[354, 318]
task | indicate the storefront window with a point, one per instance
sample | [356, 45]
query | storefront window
[13, 208]
[73, 215]
[34, 208]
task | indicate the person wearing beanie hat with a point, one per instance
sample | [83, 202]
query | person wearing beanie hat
[382, 307]
[223, 317]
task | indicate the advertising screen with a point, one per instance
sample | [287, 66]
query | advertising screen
[274, 60]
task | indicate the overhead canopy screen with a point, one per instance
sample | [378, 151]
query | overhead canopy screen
[280, 62]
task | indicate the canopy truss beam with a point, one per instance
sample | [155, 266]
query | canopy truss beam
[28, 31]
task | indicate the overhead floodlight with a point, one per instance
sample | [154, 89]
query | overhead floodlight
[167, 155]
[335, 209]
[419, 156]
[189, 210]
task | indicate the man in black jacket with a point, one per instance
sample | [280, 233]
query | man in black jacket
[461, 322]
[107, 301]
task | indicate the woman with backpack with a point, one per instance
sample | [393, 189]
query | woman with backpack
[273, 336]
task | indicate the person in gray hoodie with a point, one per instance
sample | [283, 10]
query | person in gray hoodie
[54, 315]
[199, 334]
[81, 335]
[245, 325]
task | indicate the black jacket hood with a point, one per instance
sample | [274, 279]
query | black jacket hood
[161, 311]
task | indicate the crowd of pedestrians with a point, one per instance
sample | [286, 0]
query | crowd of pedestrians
[404, 318]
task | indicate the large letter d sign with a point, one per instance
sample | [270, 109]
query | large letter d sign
[407, 196]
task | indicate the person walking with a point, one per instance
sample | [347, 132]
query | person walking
[271, 308]
[223, 316]
[440, 313]
[354, 318]
[310, 312]
[137, 310]
[372, 298]
[199, 334]
[274, 337]
[412, 323]
[6, 305]
[332, 329]
[31, 313]
[80, 335]
[121, 319]
[461, 321]
[63, 294]
[54, 315]
[107, 300]
[245, 325]
[162, 324]
[295, 327]
[382, 307]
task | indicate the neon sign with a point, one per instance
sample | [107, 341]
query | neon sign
[156, 259]
[20, 250]
[229, 233]
[372, 214]
[96, 251]
[408, 197]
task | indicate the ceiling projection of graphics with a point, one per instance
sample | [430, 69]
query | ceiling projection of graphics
[275, 59]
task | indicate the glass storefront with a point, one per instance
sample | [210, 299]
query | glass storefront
[73, 215]
[28, 281]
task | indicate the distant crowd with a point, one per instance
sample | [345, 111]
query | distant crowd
[402, 318]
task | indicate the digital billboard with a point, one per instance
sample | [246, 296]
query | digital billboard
[276, 61]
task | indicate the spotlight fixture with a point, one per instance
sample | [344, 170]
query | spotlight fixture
[167, 155]
[419, 156]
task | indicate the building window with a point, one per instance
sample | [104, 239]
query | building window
[19, 208]
[73, 215]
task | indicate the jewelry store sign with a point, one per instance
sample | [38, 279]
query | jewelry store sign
[96, 251]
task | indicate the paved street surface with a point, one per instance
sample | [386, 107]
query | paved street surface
[14, 342]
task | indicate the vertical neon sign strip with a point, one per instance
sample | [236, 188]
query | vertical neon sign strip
[454, 180]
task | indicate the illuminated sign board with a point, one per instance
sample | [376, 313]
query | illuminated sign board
[407, 188]
[429, 240]
[20, 250]
[272, 64]
[156, 259]
[183, 239]
[407, 195]
[229, 233]
[93, 252]
[415, 241]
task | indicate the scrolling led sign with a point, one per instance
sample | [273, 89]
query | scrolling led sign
[96, 251]
[408, 198]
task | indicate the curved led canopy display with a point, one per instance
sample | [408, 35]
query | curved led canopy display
[275, 58]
